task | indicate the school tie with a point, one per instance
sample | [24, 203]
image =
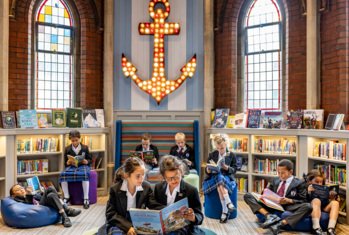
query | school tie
[281, 191]
[180, 153]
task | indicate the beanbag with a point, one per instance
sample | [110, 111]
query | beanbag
[21, 215]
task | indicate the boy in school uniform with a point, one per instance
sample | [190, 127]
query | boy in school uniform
[183, 151]
[147, 146]
[294, 194]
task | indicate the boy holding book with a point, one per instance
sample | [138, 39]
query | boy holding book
[293, 198]
[147, 146]
[183, 151]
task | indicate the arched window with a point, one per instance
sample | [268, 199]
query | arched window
[53, 55]
[263, 56]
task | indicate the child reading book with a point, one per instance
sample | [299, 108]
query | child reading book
[292, 192]
[183, 151]
[220, 171]
[76, 171]
[322, 199]
[146, 146]
[174, 189]
[48, 197]
[129, 191]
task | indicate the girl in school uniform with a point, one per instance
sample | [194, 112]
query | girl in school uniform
[129, 191]
[173, 189]
[76, 173]
[329, 205]
[221, 179]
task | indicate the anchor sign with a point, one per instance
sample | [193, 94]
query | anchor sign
[158, 86]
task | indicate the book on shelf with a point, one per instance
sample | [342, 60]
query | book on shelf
[18, 120]
[146, 156]
[322, 192]
[294, 119]
[242, 184]
[238, 144]
[49, 144]
[330, 149]
[89, 118]
[275, 146]
[334, 174]
[272, 120]
[259, 185]
[221, 118]
[212, 114]
[240, 120]
[37, 166]
[160, 221]
[34, 183]
[269, 199]
[76, 160]
[254, 118]
[97, 159]
[58, 118]
[74, 117]
[28, 118]
[8, 120]
[43, 119]
[216, 166]
[241, 163]
[100, 117]
[266, 166]
[335, 121]
[230, 121]
[313, 118]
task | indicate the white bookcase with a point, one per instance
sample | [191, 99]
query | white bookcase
[300, 146]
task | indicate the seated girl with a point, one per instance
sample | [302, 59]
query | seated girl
[174, 189]
[222, 178]
[129, 191]
[329, 205]
[48, 198]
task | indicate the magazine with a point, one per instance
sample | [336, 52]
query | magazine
[269, 199]
[322, 192]
[160, 221]
[34, 183]
[77, 159]
[220, 119]
[146, 156]
[213, 166]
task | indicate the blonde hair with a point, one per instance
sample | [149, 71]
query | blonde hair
[180, 136]
[219, 139]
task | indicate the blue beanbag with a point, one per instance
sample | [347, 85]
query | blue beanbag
[304, 225]
[21, 215]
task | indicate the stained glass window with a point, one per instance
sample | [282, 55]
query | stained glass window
[54, 37]
[263, 56]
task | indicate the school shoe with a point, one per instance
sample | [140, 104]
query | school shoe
[66, 221]
[71, 212]
[270, 220]
[331, 231]
[224, 218]
[275, 229]
[231, 207]
[318, 231]
[86, 204]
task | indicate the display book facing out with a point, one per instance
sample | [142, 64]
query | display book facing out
[3, 166]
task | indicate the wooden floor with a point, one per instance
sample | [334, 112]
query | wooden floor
[244, 224]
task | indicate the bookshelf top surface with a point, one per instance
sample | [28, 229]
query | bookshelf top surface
[52, 131]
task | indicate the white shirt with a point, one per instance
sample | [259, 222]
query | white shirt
[131, 199]
[77, 149]
[288, 182]
[171, 197]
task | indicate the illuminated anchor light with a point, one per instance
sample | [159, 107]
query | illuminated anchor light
[158, 86]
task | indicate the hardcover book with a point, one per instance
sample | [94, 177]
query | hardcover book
[269, 199]
[34, 183]
[230, 122]
[254, 118]
[338, 122]
[240, 120]
[100, 117]
[160, 222]
[28, 118]
[146, 156]
[74, 117]
[272, 120]
[8, 120]
[220, 119]
[77, 159]
[58, 118]
[216, 167]
[42, 120]
[89, 118]
[294, 119]
[313, 118]
[322, 192]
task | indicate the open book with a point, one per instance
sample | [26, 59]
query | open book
[269, 199]
[77, 159]
[159, 222]
[322, 192]
[213, 166]
[146, 156]
[34, 183]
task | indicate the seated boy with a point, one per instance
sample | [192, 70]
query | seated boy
[147, 146]
[293, 193]
[183, 151]
[48, 198]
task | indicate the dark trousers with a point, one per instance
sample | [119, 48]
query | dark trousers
[50, 198]
[299, 210]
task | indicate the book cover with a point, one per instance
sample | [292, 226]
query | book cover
[220, 119]
[100, 117]
[89, 118]
[338, 122]
[330, 121]
[58, 118]
[34, 183]
[294, 119]
[272, 120]
[213, 166]
[8, 120]
[159, 222]
[28, 118]
[77, 159]
[146, 156]
[322, 192]
[18, 119]
[42, 120]
[253, 118]
[230, 122]
[74, 117]
[240, 120]
[313, 118]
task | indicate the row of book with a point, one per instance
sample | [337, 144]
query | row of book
[334, 174]
[69, 117]
[239, 144]
[32, 145]
[37, 166]
[275, 146]
[266, 166]
[254, 118]
[259, 185]
[330, 150]
[97, 160]
[242, 184]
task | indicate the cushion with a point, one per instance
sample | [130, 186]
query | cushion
[192, 179]
[77, 194]
[304, 225]
[21, 215]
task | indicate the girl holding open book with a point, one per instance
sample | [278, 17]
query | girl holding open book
[321, 201]
[220, 170]
[77, 160]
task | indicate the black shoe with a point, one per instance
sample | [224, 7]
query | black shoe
[86, 204]
[71, 212]
[270, 220]
[66, 221]
[231, 207]
[331, 231]
[224, 218]
[275, 229]
[318, 231]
